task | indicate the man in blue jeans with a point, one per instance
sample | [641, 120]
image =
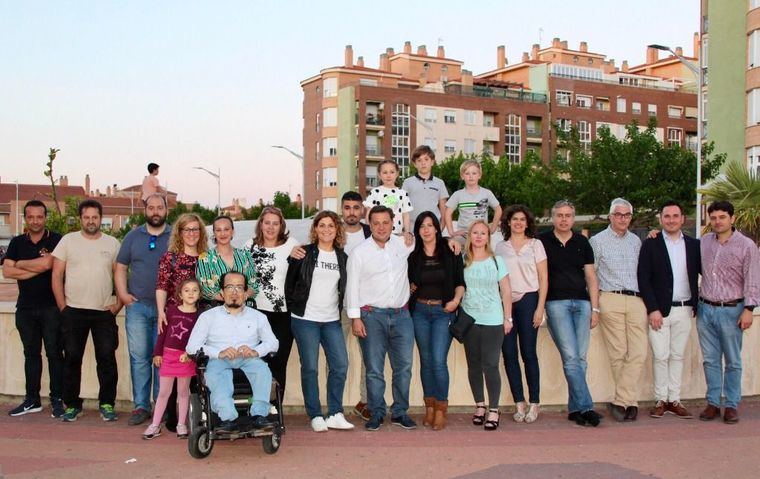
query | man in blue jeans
[376, 301]
[572, 306]
[135, 280]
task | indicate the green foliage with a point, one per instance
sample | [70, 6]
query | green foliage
[49, 173]
[207, 215]
[289, 208]
[67, 221]
[741, 187]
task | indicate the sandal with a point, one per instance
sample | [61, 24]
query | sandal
[519, 415]
[492, 425]
[479, 419]
[532, 413]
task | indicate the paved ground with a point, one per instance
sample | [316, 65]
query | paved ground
[38, 446]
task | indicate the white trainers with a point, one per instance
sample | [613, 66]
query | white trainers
[318, 424]
[338, 421]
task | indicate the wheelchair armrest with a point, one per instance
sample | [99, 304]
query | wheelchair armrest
[201, 358]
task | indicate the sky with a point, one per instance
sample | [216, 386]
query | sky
[116, 85]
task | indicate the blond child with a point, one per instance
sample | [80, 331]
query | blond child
[472, 202]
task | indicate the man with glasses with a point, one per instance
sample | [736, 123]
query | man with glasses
[572, 307]
[235, 336]
[135, 280]
[623, 313]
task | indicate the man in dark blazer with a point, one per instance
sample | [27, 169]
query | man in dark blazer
[669, 265]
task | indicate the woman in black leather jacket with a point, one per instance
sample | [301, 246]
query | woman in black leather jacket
[314, 290]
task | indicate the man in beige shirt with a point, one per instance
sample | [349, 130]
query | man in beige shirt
[83, 266]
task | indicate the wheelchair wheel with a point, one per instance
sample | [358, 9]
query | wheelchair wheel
[199, 443]
[195, 414]
[271, 444]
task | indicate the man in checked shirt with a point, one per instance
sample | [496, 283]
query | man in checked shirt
[729, 292]
[623, 316]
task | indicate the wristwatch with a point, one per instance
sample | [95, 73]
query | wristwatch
[509, 319]
[750, 308]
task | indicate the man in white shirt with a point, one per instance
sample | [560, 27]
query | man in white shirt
[235, 336]
[376, 301]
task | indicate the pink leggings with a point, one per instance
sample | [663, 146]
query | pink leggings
[183, 399]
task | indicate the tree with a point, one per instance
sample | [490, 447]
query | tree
[49, 173]
[741, 187]
[290, 209]
[65, 222]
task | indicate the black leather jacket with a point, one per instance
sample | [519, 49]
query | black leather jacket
[300, 273]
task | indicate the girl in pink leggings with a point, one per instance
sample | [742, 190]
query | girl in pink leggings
[169, 355]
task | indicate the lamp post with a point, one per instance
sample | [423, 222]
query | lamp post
[699, 74]
[303, 173]
[218, 176]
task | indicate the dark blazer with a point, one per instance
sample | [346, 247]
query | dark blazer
[655, 273]
[300, 273]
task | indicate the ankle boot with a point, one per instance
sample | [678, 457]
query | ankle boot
[440, 419]
[429, 411]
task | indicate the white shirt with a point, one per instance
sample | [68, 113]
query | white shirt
[322, 305]
[353, 240]
[378, 276]
[677, 254]
[217, 330]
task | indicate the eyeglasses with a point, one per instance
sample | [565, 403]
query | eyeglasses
[620, 216]
[239, 288]
[152, 242]
[191, 230]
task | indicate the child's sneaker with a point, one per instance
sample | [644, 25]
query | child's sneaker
[181, 431]
[107, 413]
[71, 414]
[152, 431]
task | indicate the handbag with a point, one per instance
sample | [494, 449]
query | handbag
[461, 325]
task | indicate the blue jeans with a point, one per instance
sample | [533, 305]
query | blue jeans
[720, 337]
[309, 335]
[141, 337]
[523, 330]
[569, 322]
[219, 381]
[389, 330]
[431, 330]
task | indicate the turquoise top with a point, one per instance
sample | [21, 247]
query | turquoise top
[482, 299]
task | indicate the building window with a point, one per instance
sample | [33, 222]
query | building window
[489, 119]
[316, 150]
[330, 204]
[753, 107]
[652, 109]
[469, 117]
[370, 174]
[583, 101]
[317, 174]
[691, 142]
[367, 82]
[329, 177]
[636, 108]
[584, 133]
[316, 122]
[431, 143]
[754, 50]
[330, 87]
[449, 116]
[564, 98]
[674, 111]
[469, 146]
[753, 160]
[674, 136]
[400, 137]
[449, 146]
[620, 105]
[330, 117]
[330, 146]
[603, 104]
[563, 124]
[512, 138]
[431, 115]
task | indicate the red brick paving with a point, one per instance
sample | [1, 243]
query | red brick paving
[38, 446]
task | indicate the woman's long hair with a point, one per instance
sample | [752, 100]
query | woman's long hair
[468, 256]
[177, 244]
[419, 248]
[282, 235]
[530, 218]
[340, 236]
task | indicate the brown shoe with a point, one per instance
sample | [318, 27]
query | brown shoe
[440, 419]
[658, 410]
[429, 411]
[710, 413]
[730, 416]
[363, 411]
[678, 410]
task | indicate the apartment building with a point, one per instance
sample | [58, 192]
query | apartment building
[355, 116]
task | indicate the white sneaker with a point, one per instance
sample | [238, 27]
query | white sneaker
[318, 424]
[338, 421]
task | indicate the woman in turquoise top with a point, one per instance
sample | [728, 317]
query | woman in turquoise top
[221, 259]
[488, 299]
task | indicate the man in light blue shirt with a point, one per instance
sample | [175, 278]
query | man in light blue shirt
[235, 336]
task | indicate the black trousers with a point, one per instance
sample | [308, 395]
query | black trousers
[77, 324]
[482, 346]
[278, 364]
[38, 326]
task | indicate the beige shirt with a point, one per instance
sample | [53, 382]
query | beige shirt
[89, 270]
[150, 186]
[523, 273]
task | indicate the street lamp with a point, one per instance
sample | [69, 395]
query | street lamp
[303, 171]
[218, 176]
[699, 74]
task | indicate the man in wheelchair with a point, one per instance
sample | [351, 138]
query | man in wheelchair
[235, 336]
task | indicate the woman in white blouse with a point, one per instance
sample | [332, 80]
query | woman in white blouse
[526, 261]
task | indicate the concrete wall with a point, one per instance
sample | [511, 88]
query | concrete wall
[553, 386]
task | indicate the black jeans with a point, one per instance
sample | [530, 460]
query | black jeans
[524, 332]
[482, 345]
[77, 324]
[278, 364]
[37, 326]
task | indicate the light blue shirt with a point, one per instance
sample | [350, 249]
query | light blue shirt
[217, 329]
[482, 298]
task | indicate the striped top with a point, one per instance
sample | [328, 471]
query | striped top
[617, 259]
[730, 270]
[211, 267]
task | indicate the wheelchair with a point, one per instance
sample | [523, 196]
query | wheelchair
[202, 420]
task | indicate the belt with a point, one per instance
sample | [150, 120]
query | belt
[626, 292]
[368, 308]
[723, 304]
[429, 302]
[676, 304]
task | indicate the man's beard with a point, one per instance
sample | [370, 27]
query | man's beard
[156, 220]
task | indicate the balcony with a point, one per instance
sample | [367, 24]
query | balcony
[495, 92]
[533, 132]
[375, 150]
[372, 119]
[372, 182]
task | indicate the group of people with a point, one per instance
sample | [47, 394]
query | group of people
[391, 281]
